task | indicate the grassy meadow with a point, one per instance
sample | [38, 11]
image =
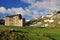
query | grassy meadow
[29, 33]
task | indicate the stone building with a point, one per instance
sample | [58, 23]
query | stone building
[15, 20]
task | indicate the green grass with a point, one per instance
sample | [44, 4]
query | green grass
[36, 33]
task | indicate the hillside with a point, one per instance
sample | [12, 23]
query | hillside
[46, 21]
[28, 33]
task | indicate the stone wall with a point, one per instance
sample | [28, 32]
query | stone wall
[14, 21]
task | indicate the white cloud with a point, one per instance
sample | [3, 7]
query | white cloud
[46, 6]
[2, 10]
[16, 11]
[50, 4]
[30, 1]
[12, 10]
[37, 7]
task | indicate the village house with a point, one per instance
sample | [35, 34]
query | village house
[15, 20]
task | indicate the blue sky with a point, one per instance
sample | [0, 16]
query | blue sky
[13, 3]
[28, 8]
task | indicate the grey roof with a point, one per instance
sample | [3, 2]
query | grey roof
[14, 15]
